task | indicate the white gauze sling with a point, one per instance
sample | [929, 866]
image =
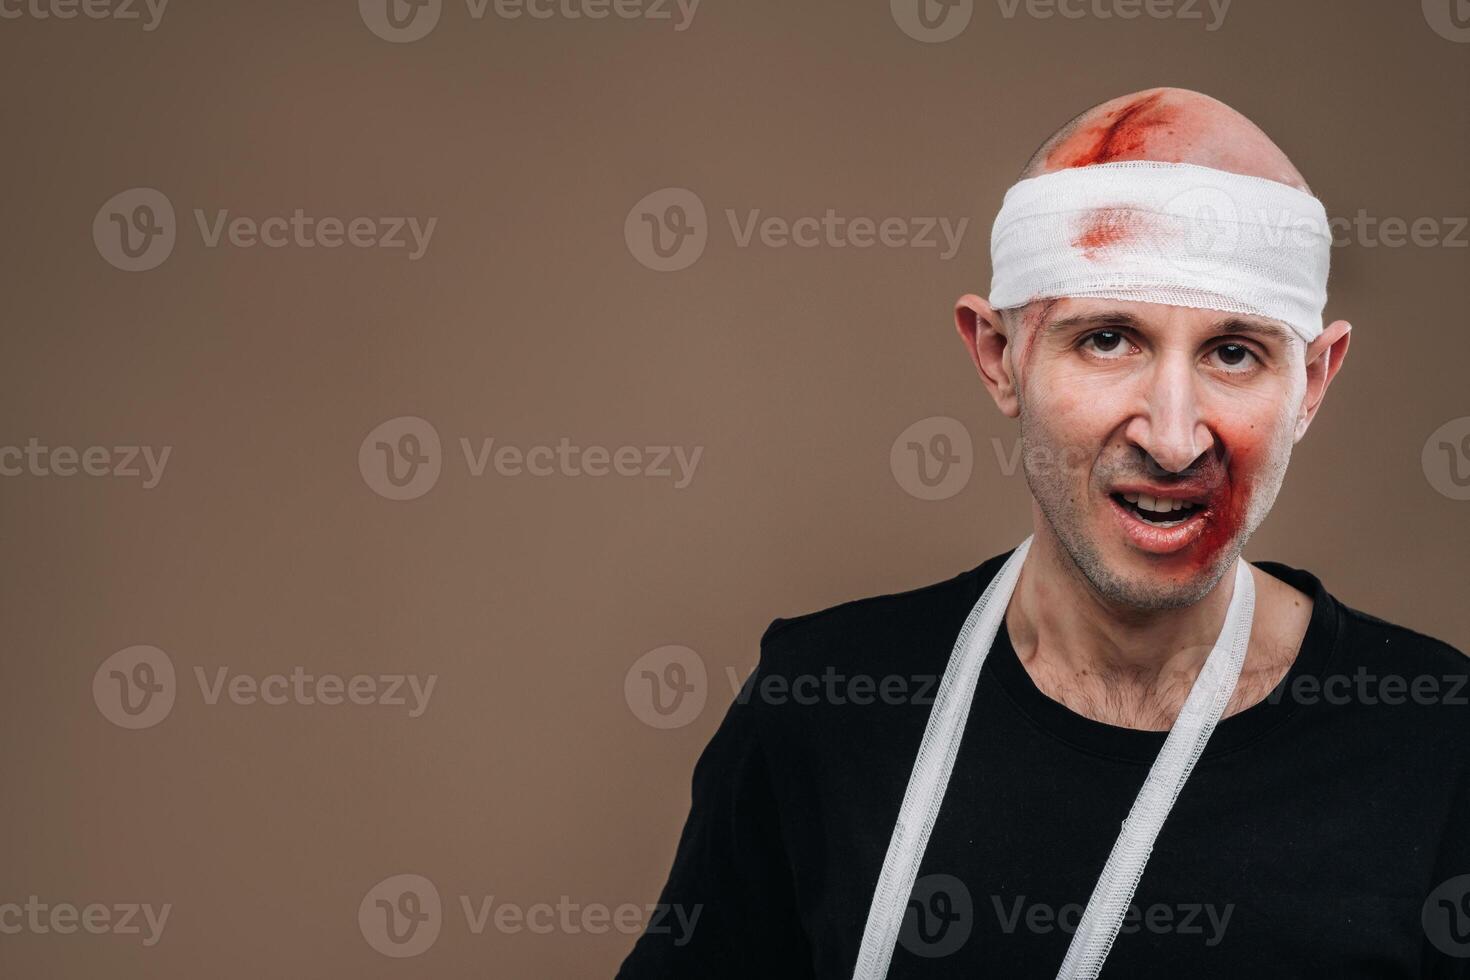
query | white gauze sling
[941, 743]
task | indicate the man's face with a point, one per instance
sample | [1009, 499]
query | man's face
[1155, 437]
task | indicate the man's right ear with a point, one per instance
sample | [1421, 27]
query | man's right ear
[984, 336]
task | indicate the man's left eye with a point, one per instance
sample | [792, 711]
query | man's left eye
[1234, 356]
[1107, 344]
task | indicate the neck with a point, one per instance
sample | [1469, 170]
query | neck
[1117, 664]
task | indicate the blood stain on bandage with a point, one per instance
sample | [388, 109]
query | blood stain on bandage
[1122, 134]
[1102, 229]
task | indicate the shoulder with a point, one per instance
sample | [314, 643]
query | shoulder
[853, 680]
[919, 624]
[1365, 638]
[1403, 690]
[1391, 645]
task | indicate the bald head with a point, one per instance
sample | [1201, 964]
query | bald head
[1171, 125]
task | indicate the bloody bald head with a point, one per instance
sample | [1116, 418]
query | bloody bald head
[1170, 125]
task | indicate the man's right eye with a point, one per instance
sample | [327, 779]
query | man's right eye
[1106, 343]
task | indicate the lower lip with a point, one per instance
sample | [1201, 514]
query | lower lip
[1159, 540]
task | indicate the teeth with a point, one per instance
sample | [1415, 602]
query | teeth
[1157, 505]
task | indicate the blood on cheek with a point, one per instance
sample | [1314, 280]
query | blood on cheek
[1227, 514]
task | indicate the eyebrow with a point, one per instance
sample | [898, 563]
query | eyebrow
[1096, 320]
[1120, 319]
[1256, 328]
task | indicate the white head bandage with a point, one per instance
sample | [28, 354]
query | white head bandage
[1171, 233]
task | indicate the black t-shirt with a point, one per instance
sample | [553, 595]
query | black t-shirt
[1324, 833]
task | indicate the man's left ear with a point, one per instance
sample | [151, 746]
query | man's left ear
[1324, 359]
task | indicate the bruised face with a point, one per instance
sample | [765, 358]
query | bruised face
[1155, 438]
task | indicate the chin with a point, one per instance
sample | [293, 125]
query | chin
[1124, 575]
[1133, 584]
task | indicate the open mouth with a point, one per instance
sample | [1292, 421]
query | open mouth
[1168, 519]
[1161, 512]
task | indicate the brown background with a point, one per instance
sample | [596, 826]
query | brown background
[530, 778]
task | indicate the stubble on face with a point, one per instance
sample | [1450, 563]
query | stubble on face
[1070, 462]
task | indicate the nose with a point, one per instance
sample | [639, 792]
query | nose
[1170, 425]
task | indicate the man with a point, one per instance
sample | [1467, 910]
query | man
[1146, 757]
